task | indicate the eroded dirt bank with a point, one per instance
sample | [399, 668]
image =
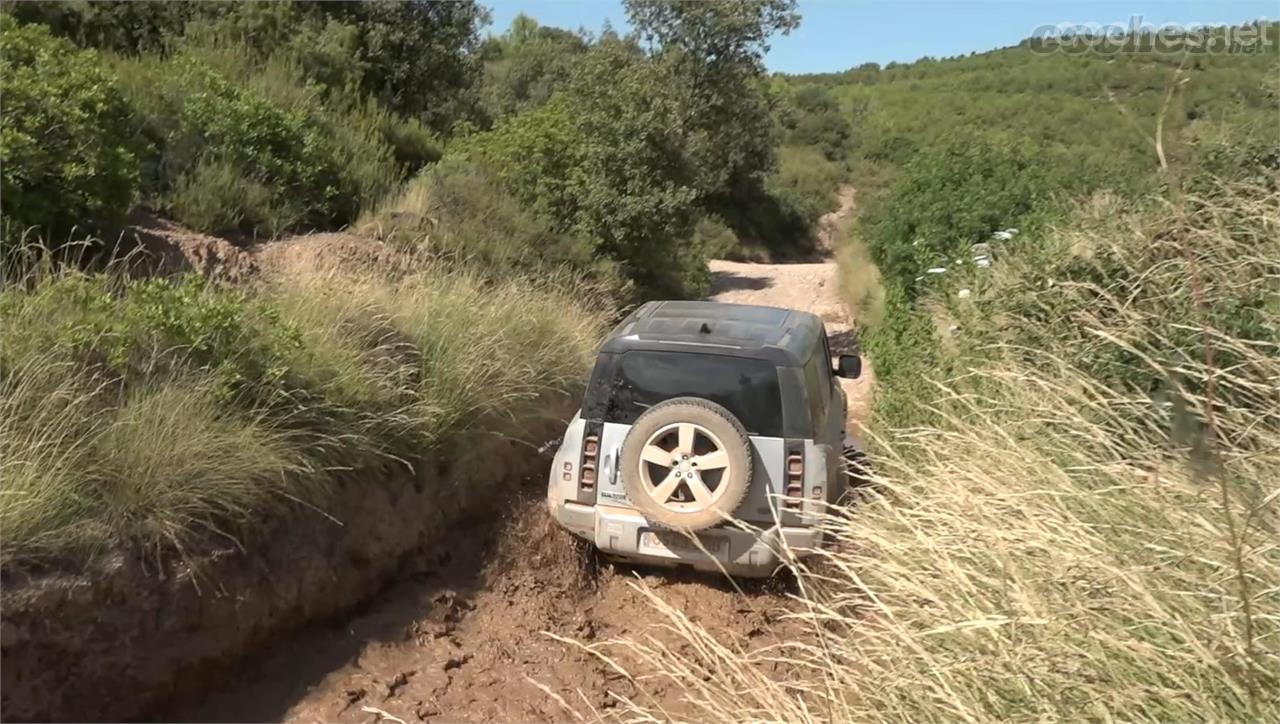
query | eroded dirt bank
[120, 640]
[466, 636]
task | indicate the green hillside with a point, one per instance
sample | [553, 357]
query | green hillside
[946, 152]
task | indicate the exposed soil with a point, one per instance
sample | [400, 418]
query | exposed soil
[154, 246]
[157, 246]
[813, 287]
[467, 635]
[116, 639]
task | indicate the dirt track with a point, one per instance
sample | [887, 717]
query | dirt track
[464, 635]
[812, 287]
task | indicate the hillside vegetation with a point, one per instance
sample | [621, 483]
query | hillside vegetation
[160, 411]
[948, 153]
[260, 119]
[1073, 505]
[1064, 269]
[511, 192]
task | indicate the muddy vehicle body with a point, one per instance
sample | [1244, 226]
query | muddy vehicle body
[710, 435]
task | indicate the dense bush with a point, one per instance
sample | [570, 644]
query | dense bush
[776, 217]
[65, 137]
[115, 25]
[813, 118]
[952, 196]
[417, 58]
[605, 161]
[721, 242]
[253, 148]
[1203, 260]
[459, 210]
[249, 118]
[206, 129]
[526, 65]
[806, 180]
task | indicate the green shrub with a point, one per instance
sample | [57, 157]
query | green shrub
[815, 120]
[194, 117]
[459, 210]
[113, 25]
[605, 165]
[540, 157]
[806, 181]
[776, 218]
[764, 223]
[65, 135]
[953, 196]
[134, 330]
[253, 148]
[526, 65]
[216, 195]
[712, 234]
[1208, 261]
[413, 144]
[908, 357]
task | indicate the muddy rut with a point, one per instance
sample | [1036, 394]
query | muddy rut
[470, 632]
[465, 636]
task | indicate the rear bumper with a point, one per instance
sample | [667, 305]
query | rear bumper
[626, 534]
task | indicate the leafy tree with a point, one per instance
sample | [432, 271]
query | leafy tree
[64, 136]
[117, 25]
[722, 33]
[716, 49]
[606, 159]
[419, 57]
[526, 65]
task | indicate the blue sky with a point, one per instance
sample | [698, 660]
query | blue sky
[838, 34]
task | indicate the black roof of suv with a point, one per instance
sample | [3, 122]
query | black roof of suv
[784, 336]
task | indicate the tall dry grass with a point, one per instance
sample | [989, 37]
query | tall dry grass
[156, 412]
[1085, 530]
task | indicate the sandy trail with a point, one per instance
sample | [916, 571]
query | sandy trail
[465, 635]
[813, 287]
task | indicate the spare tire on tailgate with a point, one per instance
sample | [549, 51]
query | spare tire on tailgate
[686, 464]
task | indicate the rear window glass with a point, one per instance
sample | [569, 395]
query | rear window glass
[818, 388]
[746, 387]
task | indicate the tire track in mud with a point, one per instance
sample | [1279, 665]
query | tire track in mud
[463, 635]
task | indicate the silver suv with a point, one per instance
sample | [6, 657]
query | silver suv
[710, 435]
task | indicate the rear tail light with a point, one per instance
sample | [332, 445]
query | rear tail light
[795, 482]
[590, 451]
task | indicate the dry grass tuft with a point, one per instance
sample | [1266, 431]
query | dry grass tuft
[156, 412]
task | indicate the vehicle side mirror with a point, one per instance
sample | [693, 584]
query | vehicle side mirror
[849, 366]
